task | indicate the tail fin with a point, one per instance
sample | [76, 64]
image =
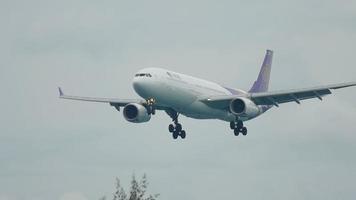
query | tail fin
[261, 84]
[60, 91]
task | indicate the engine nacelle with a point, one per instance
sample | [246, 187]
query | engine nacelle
[244, 107]
[136, 113]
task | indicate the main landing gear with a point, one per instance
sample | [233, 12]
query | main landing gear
[175, 128]
[238, 127]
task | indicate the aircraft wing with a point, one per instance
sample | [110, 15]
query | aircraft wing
[117, 103]
[296, 95]
[277, 97]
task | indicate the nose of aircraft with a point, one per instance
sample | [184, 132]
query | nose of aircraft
[141, 86]
[137, 84]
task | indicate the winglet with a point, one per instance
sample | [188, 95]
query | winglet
[60, 91]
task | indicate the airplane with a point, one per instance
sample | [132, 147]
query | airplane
[176, 94]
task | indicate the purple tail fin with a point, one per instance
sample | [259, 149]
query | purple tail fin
[261, 84]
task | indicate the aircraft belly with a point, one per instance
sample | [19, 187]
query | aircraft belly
[200, 110]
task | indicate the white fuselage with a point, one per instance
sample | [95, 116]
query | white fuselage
[182, 93]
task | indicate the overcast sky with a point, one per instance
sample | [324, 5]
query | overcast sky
[65, 150]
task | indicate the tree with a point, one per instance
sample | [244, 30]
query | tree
[119, 193]
[137, 191]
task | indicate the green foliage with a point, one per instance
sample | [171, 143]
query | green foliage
[137, 191]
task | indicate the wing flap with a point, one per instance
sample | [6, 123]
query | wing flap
[271, 99]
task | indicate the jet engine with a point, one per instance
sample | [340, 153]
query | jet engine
[244, 107]
[136, 113]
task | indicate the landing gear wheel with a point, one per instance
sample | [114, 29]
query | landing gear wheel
[232, 125]
[175, 134]
[182, 134]
[171, 128]
[239, 124]
[175, 128]
[238, 127]
[236, 132]
[178, 127]
[244, 131]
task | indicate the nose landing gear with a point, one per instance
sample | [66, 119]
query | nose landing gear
[238, 127]
[150, 106]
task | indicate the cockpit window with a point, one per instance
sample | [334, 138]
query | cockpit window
[143, 75]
